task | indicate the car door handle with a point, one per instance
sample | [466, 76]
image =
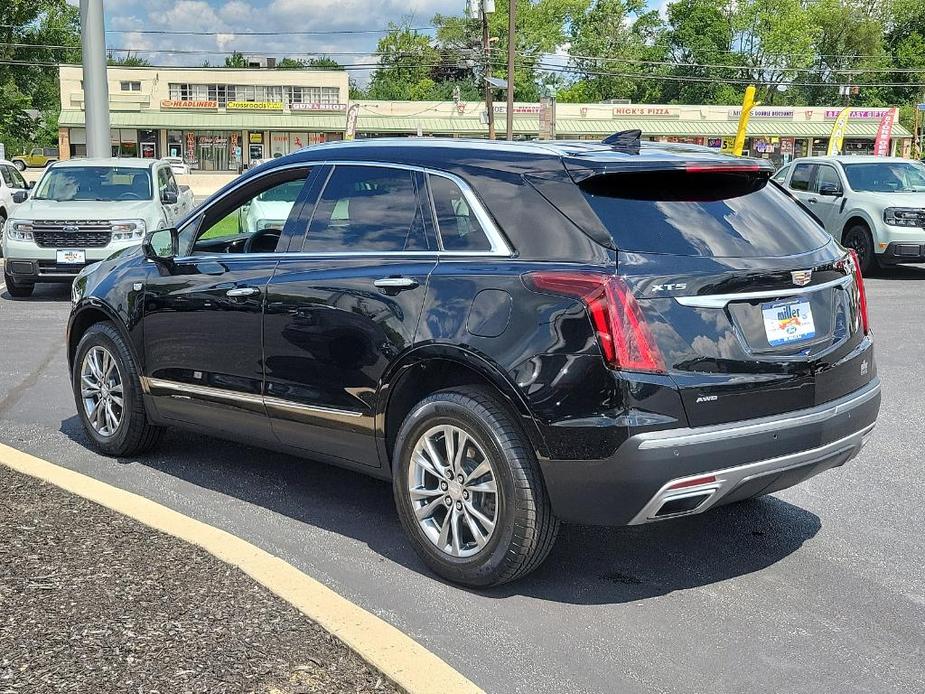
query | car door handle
[242, 291]
[396, 283]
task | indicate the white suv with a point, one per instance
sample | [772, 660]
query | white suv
[875, 205]
[84, 210]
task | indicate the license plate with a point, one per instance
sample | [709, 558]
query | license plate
[72, 257]
[786, 322]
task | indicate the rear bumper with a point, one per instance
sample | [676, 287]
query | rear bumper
[666, 474]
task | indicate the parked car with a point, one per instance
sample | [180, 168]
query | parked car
[37, 157]
[84, 210]
[178, 166]
[875, 205]
[513, 333]
[11, 183]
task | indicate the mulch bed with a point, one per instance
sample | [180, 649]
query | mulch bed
[91, 601]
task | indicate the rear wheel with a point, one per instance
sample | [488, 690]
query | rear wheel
[859, 239]
[16, 290]
[107, 391]
[20, 164]
[468, 490]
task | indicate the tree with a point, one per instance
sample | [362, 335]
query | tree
[128, 60]
[236, 60]
[405, 61]
[607, 42]
[27, 85]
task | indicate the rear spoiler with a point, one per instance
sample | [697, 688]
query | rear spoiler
[581, 169]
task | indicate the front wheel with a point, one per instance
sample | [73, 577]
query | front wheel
[20, 164]
[858, 238]
[107, 391]
[469, 492]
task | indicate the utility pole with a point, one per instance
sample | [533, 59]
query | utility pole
[511, 21]
[486, 49]
[96, 89]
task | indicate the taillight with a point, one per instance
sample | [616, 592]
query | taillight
[622, 332]
[862, 295]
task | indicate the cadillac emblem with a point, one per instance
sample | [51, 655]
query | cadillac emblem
[801, 277]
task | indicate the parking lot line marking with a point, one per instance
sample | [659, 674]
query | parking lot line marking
[395, 654]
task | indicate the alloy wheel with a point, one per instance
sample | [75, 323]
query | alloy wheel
[101, 391]
[453, 490]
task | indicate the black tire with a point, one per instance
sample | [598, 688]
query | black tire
[135, 434]
[858, 238]
[15, 290]
[19, 164]
[525, 527]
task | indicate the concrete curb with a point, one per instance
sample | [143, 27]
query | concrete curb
[396, 655]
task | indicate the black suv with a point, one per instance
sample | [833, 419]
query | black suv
[513, 333]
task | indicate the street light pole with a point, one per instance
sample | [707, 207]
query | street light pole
[511, 20]
[96, 89]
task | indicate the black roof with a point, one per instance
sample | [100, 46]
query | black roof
[526, 156]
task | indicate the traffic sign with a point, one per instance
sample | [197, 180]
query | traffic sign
[921, 107]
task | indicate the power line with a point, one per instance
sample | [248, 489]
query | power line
[181, 32]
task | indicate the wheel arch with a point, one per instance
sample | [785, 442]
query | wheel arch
[430, 368]
[863, 218]
[88, 314]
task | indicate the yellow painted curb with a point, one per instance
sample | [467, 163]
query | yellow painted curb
[398, 656]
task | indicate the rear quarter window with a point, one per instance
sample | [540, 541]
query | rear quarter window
[701, 214]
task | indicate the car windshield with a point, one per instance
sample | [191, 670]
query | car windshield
[886, 177]
[101, 183]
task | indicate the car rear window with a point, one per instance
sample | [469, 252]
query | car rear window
[701, 214]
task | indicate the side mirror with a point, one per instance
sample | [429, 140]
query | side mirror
[30, 185]
[161, 245]
[170, 197]
[830, 190]
[20, 196]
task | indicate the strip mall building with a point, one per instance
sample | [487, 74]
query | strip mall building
[222, 119]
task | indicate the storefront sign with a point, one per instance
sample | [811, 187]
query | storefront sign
[178, 103]
[528, 108]
[279, 144]
[646, 112]
[254, 106]
[255, 138]
[766, 112]
[318, 107]
[786, 146]
[859, 113]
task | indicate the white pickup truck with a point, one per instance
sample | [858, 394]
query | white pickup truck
[84, 210]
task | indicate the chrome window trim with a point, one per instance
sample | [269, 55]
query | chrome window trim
[184, 390]
[499, 245]
[720, 300]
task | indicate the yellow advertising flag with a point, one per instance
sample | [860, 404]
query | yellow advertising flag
[837, 138]
[748, 103]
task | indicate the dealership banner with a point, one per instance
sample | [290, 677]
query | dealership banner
[351, 130]
[884, 134]
[837, 138]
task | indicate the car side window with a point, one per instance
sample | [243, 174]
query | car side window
[781, 176]
[367, 208]
[250, 220]
[826, 176]
[13, 178]
[459, 228]
[802, 175]
[166, 181]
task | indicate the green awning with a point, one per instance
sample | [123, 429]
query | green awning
[523, 125]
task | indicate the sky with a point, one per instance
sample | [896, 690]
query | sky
[125, 18]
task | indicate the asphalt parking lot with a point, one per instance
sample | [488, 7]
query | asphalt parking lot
[820, 588]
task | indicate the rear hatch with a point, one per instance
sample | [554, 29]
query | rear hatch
[756, 311]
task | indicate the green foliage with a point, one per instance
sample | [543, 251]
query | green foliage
[29, 87]
[128, 60]
[236, 60]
